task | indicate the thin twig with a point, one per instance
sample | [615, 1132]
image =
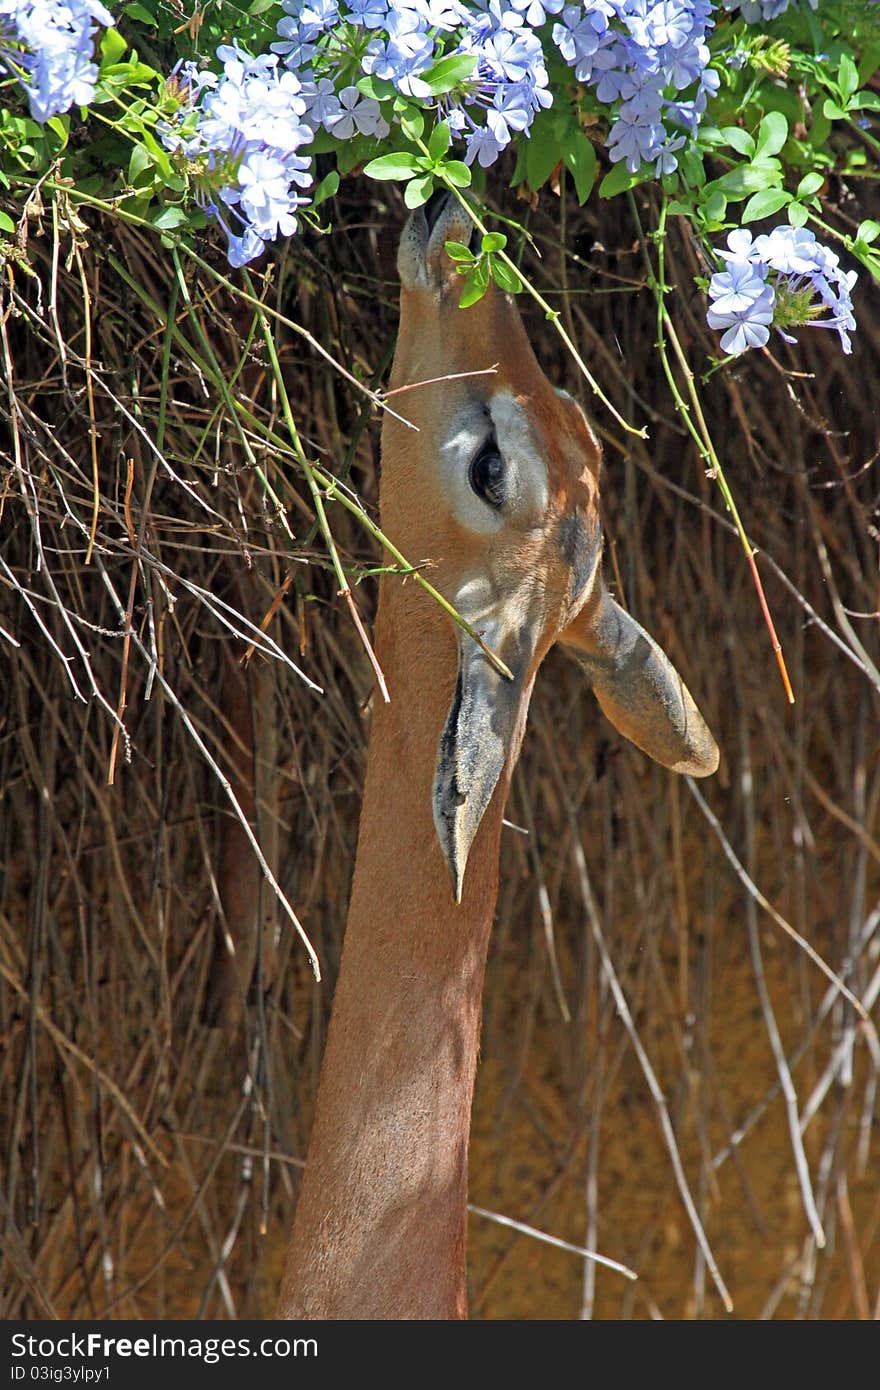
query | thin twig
[547, 1239]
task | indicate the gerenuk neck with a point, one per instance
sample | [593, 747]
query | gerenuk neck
[380, 1228]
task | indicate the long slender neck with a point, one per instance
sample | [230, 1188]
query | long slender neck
[381, 1222]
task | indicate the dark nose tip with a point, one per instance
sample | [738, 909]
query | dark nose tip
[435, 206]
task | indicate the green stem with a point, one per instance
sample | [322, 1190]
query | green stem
[166, 367]
[308, 472]
[699, 431]
[334, 490]
[239, 367]
[229, 400]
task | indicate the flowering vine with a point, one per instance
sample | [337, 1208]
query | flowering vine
[430, 93]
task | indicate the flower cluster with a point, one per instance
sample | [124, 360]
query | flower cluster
[754, 10]
[643, 54]
[246, 131]
[49, 47]
[786, 279]
[399, 42]
[242, 132]
[639, 55]
[246, 127]
[509, 84]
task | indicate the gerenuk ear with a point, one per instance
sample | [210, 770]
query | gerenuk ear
[640, 690]
[483, 728]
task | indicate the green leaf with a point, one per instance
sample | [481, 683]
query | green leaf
[393, 166]
[579, 154]
[379, 88]
[832, 110]
[869, 61]
[820, 129]
[456, 251]
[868, 231]
[506, 278]
[809, 184]
[457, 173]
[6, 222]
[493, 241]
[161, 157]
[60, 127]
[447, 73]
[772, 134]
[765, 203]
[475, 285]
[419, 191]
[714, 207]
[113, 46]
[347, 157]
[692, 168]
[797, 214]
[519, 169]
[748, 178]
[441, 138]
[327, 188]
[738, 139]
[618, 181]
[785, 99]
[847, 77]
[169, 217]
[412, 120]
[542, 154]
[141, 14]
[141, 159]
[117, 75]
[865, 101]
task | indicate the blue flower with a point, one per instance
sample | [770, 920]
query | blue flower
[320, 98]
[804, 279]
[638, 133]
[809, 281]
[577, 36]
[406, 51]
[608, 72]
[754, 10]
[48, 45]
[736, 289]
[356, 115]
[320, 14]
[263, 195]
[244, 131]
[442, 14]
[748, 323]
[297, 47]
[483, 145]
[511, 111]
[632, 51]
[367, 14]
[791, 250]
[629, 49]
[535, 12]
